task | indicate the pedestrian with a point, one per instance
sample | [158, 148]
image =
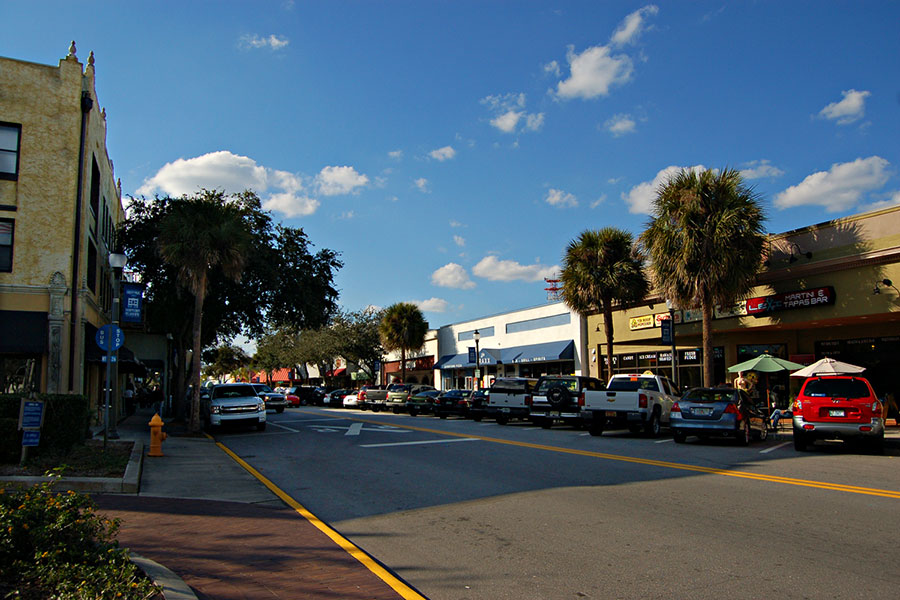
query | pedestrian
[742, 383]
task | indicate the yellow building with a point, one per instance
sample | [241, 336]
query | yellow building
[827, 290]
[59, 208]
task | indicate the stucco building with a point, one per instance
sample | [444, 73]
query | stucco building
[59, 208]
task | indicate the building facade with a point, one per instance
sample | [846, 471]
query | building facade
[59, 208]
[826, 290]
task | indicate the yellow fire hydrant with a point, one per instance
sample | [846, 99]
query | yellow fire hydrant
[156, 435]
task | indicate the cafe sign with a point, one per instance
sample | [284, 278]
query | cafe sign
[762, 305]
[642, 322]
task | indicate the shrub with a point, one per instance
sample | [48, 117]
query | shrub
[66, 422]
[55, 546]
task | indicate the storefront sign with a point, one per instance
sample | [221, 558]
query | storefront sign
[642, 322]
[660, 317]
[735, 310]
[788, 301]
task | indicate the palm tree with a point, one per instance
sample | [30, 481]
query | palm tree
[402, 328]
[705, 243]
[199, 234]
[602, 268]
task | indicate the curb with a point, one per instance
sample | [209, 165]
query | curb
[129, 483]
[173, 587]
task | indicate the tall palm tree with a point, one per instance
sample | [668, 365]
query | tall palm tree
[199, 234]
[600, 269]
[705, 243]
[402, 328]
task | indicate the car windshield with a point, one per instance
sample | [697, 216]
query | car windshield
[261, 388]
[512, 386]
[233, 391]
[398, 387]
[709, 396]
[632, 384]
[429, 393]
[458, 393]
[546, 384]
[836, 388]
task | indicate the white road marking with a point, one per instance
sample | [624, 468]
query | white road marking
[767, 450]
[354, 429]
[663, 441]
[283, 427]
[330, 420]
[421, 442]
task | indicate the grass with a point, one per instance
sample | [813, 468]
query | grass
[89, 460]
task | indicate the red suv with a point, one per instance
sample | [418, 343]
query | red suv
[838, 407]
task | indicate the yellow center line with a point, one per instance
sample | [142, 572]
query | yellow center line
[837, 487]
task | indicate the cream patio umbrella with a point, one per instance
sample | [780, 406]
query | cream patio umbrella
[828, 366]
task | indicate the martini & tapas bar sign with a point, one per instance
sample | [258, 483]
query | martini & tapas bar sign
[790, 300]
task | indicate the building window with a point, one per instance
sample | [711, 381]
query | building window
[539, 323]
[6, 244]
[470, 335]
[92, 267]
[95, 189]
[10, 137]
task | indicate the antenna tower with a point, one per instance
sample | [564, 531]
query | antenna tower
[553, 290]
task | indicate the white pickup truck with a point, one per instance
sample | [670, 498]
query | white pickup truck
[639, 402]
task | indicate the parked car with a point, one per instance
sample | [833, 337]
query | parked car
[718, 412]
[336, 397]
[453, 402]
[641, 402]
[838, 407]
[376, 400]
[478, 404]
[351, 400]
[273, 399]
[232, 404]
[292, 399]
[371, 395]
[399, 394]
[556, 397]
[422, 402]
[307, 395]
[509, 398]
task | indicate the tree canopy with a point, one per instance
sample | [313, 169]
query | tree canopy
[403, 328]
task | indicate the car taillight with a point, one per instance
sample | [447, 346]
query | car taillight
[676, 408]
[362, 395]
[581, 399]
[642, 401]
[408, 397]
[876, 409]
[528, 400]
[732, 409]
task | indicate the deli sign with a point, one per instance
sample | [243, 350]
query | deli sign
[790, 300]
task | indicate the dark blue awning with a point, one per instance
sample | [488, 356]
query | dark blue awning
[490, 356]
[453, 361]
[547, 351]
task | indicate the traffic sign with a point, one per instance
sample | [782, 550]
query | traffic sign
[110, 337]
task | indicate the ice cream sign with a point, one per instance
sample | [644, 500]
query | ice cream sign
[790, 300]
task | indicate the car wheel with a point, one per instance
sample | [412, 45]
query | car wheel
[396, 410]
[799, 440]
[595, 429]
[546, 423]
[876, 444]
[442, 415]
[762, 434]
[376, 408]
[413, 412]
[635, 429]
[477, 418]
[558, 396]
[743, 434]
[680, 437]
[261, 426]
[651, 427]
[502, 419]
[279, 410]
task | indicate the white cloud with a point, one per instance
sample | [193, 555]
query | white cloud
[507, 121]
[494, 269]
[598, 201]
[216, 170]
[459, 240]
[852, 108]
[640, 197]
[455, 223]
[335, 181]
[442, 154]
[619, 125]
[534, 122]
[760, 169]
[552, 68]
[437, 305]
[421, 184]
[346, 215]
[509, 111]
[291, 204]
[632, 26]
[452, 275]
[560, 198]
[839, 188]
[272, 42]
[396, 154]
[893, 199]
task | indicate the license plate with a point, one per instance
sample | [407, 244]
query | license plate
[611, 413]
[504, 410]
[703, 412]
[835, 413]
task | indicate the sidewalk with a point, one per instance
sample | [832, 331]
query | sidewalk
[227, 536]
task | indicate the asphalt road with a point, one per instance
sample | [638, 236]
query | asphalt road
[466, 510]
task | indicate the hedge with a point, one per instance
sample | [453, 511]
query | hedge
[66, 423]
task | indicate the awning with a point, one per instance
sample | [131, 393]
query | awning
[128, 362]
[490, 356]
[454, 361]
[547, 351]
[336, 372]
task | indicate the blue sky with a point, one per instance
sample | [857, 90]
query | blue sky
[450, 150]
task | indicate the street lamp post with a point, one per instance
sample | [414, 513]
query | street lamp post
[477, 336]
[117, 263]
[671, 306]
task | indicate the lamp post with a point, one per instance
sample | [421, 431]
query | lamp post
[477, 336]
[117, 263]
[671, 306]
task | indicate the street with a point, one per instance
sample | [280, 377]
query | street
[465, 510]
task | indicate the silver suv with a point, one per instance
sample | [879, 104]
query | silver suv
[233, 404]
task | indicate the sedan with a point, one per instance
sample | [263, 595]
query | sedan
[453, 402]
[719, 412]
[422, 402]
[336, 397]
[351, 400]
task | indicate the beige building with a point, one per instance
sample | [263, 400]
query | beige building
[59, 207]
[829, 289]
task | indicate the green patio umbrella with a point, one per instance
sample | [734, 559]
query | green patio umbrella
[765, 363]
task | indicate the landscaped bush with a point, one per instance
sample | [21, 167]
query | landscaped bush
[56, 546]
[10, 440]
[66, 422]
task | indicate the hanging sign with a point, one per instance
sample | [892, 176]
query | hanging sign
[132, 300]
